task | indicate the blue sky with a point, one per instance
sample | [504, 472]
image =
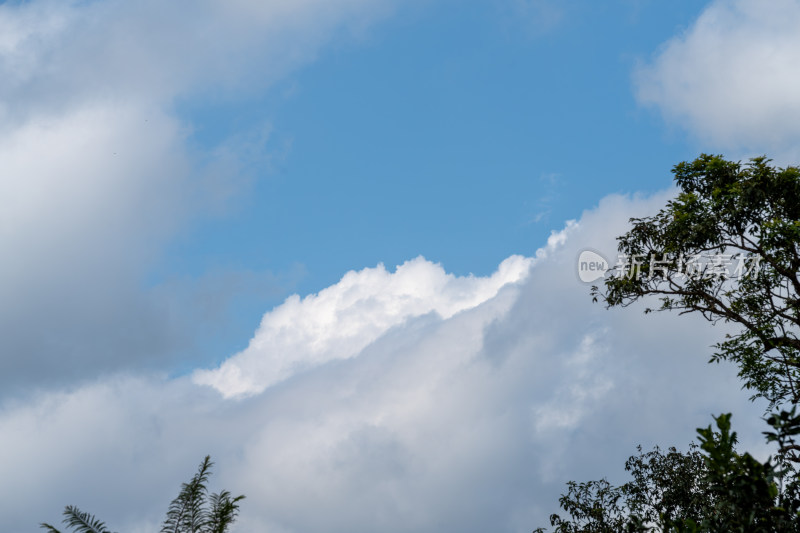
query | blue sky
[461, 132]
[458, 131]
[332, 243]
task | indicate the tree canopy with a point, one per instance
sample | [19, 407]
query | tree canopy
[726, 248]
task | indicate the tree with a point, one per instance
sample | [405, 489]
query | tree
[711, 488]
[726, 213]
[727, 248]
[192, 511]
[671, 485]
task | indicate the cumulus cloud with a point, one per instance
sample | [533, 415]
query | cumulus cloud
[466, 413]
[98, 173]
[731, 77]
[343, 319]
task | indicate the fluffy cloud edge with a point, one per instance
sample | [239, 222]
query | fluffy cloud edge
[342, 320]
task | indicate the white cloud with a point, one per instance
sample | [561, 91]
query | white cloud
[424, 401]
[97, 171]
[57, 54]
[470, 418]
[731, 78]
[342, 320]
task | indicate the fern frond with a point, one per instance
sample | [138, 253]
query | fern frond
[83, 522]
[223, 512]
[185, 514]
[192, 511]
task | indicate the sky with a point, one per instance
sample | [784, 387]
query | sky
[332, 243]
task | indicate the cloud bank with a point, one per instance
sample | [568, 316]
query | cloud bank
[98, 169]
[730, 79]
[392, 401]
[464, 410]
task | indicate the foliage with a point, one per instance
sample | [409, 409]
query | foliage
[746, 493]
[713, 489]
[81, 522]
[726, 214]
[667, 486]
[192, 511]
[748, 215]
